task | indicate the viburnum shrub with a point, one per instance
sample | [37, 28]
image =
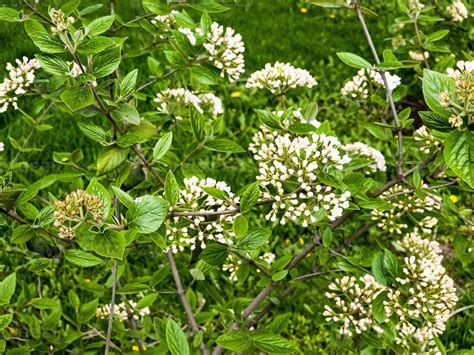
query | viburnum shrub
[142, 240]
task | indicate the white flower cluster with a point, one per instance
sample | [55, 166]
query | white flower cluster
[403, 202]
[463, 69]
[458, 11]
[168, 19]
[430, 143]
[286, 159]
[2, 146]
[358, 86]
[225, 48]
[177, 102]
[19, 79]
[420, 301]
[123, 311]
[232, 264]
[423, 311]
[280, 77]
[362, 149]
[353, 301]
[194, 231]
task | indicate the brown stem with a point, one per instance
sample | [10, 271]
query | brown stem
[182, 294]
[112, 308]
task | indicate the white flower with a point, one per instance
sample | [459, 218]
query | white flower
[429, 142]
[286, 159]
[280, 77]
[225, 48]
[455, 121]
[419, 56]
[75, 70]
[358, 85]
[458, 11]
[123, 311]
[2, 146]
[189, 33]
[373, 154]
[177, 101]
[18, 81]
[463, 69]
[168, 20]
[195, 231]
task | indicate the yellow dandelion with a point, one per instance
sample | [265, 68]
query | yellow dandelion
[304, 10]
[453, 198]
[235, 94]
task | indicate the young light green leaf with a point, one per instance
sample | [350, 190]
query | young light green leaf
[99, 25]
[53, 64]
[235, 341]
[353, 60]
[148, 214]
[171, 188]
[5, 320]
[95, 132]
[126, 113]
[7, 289]
[250, 197]
[78, 97]
[162, 146]
[224, 145]
[272, 343]
[8, 14]
[459, 154]
[128, 83]
[254, 239]
[110, 159]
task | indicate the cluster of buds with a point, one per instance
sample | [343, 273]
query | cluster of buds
[353, 300]
[210, 218]
[372, 154]
[404, 203]
[463, 75]
[17, 83]
[429, 142]
[419, 301]
[123, 311]
[458, 11]
[359, 85]
[59, 20]
[77, 208]
[177, 102]
[287, 160]
[225, 49]
[232, 264]
[167, 20]
[278, 78]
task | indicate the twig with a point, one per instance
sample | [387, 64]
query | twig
[417, 31]
[182, 294]
[112, 308]
[387, 89]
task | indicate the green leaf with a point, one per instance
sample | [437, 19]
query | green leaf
[224, 145]
[53, 64]
[390, 264]
[8, 14]
[235, 341]
[162, 146]
[171, 189]
[110, 159]
[95, 188]
[106, 63]
[210, 6]
[78, 97]
[327, 3]
[148, 214]
[124, 197]
[214, 254]
[378, 308]
[47, 43]
[459, 155]
[95, 45]
[87, 311]
[147, 301]
[81, 258]
[198, 124]
[327, 237]
[254, 239]
[272, 343]
[434, 84]
[22, 234]
[353, 60]
[378, 269]
[5, 319]
[126, 113]
[204, 76]
[435, 121]
[99, 25]
[45, 303]
[133, 288]
[109, 243]
[250, 197]
[7, 289]
[94, 132]
[436, 36]
[279, 275]
[128, 83]
[176, 339]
